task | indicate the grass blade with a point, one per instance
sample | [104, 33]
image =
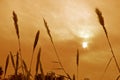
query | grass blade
[106, 68]
[69, 76]
[38, 60]
[74, 77]
[12, 59]
[108, 64]
[6, 65]
[118, 77]
[41, 70]
[17, 63]
[36, 40]
[77, 58]
[34, 46]
[16, 24]
[77, 62]
[25, 66]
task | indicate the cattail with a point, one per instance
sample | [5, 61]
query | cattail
[16, 24]
[6, 65]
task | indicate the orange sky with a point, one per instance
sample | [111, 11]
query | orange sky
[69, 21]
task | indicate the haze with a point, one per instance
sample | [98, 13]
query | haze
[72, 22]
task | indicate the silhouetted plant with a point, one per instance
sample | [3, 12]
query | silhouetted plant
[1, 72]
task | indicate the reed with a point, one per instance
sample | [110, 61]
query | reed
[59, 61]
[77, 63]
[34, 46]
[101, 21]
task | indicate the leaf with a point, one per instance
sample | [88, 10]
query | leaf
[38, 60]
[6, 65]
[16, 24]
[12, 59]
[36, 40]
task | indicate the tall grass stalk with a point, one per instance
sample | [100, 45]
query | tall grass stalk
[77, 62]
[49, 34]
[106, 67]
[34, 46]
[15, 19]
[101, 21]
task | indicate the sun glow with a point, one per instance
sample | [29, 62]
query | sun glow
[85, 44]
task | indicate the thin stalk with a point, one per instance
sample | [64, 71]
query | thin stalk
[77, 62]
[77, 73]
[34, 46]
[101, 78]
[60, 63]
[101, 21]
[31, 61]
[113, 54]
[20, 55]
[58, 58]
[15, 18]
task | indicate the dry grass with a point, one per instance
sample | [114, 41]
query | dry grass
[40, 75]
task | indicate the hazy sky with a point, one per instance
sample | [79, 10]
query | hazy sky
[71, 22]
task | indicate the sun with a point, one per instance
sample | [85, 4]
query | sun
[85, 44]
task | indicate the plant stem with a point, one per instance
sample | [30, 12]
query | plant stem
[112, 52]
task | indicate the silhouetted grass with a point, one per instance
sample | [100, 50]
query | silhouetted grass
[39, 71]
[101, 21]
